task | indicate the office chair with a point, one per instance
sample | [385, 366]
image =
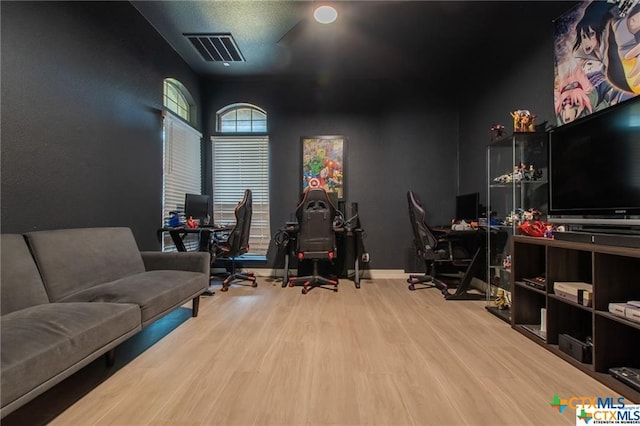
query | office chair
[316, 238]
[431, 247]
[237, 242]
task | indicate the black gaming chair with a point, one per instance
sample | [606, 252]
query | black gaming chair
[316, 238]
[237, 242]
[431, 247]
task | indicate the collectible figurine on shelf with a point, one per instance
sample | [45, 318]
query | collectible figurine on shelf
[501, 300]
[548, 233]
[523, 121]
[520, 173]
[497, 132]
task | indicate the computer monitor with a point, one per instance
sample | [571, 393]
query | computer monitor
[468, 207]
[197, 206]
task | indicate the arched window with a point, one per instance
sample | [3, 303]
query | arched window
[182, 152]
[176, 99]
[241, 161]
[242, 118]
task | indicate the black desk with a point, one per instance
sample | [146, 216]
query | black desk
[349, 236]
[204, 235]
[473, 241]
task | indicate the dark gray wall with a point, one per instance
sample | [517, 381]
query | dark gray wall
[517, 74]
[81, 122]
[400, 137]
[81, 126]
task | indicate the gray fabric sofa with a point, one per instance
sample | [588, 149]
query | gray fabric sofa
[70, 296]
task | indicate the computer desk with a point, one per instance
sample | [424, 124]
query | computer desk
[204, 235]
[474, 241]
[349, 236]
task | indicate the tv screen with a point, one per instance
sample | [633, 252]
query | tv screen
[468, 207]
[594, 165]
[197, 207]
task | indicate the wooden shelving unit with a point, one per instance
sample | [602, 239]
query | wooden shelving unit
[614, 273]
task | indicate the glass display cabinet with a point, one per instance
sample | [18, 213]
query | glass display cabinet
[517, 195]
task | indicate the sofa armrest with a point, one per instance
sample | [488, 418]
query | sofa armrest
[195, 261]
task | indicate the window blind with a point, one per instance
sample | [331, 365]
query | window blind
[182, 169]
[239, 163]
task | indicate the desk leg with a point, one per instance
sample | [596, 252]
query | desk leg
[356, 278]
[177, 240]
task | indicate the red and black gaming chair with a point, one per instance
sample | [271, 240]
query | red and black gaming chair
[316, 238]
[237, 242]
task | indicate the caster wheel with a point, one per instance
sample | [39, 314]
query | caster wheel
[290, 284]
[409, 280]
[224, 288]
[412, 287]
[335, 290]
[254, 284]
[305, 291]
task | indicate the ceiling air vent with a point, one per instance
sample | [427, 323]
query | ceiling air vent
[219, 47]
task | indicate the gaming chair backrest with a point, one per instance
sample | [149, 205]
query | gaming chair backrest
[422, 235]
[238, 241]
[315, 214]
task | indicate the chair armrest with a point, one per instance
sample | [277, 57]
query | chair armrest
[195, 261]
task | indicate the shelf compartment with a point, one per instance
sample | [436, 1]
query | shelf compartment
[616, 278]
[568, 265]
[617, 343]
[565, 317]
[527, 304]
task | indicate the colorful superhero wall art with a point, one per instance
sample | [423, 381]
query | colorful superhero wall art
[322, 164]
[597, 58]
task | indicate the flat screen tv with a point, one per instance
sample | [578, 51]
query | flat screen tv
[594, 168]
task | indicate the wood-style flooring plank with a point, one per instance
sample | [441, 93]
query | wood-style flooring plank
[380, 355]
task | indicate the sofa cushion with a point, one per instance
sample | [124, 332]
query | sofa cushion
[156, 292]
[74, 259]
[21, 283]
[43, 341]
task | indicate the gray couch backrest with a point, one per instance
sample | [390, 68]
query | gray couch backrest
[71, 260]
[21, 285]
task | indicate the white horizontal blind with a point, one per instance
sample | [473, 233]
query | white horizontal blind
[182, 169]
[239, 163]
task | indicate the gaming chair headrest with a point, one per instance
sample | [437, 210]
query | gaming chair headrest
[318, 198]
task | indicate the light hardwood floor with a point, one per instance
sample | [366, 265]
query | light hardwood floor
[380, 355]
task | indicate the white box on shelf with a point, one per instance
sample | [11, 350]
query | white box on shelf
[576, 292]
[632, 313]
[618, 308]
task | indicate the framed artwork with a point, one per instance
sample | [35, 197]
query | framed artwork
[597, 58]
[323, 164]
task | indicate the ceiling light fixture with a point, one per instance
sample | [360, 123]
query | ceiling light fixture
[325, 14]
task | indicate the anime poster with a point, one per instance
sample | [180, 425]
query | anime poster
[323, 163]
[597, 57]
